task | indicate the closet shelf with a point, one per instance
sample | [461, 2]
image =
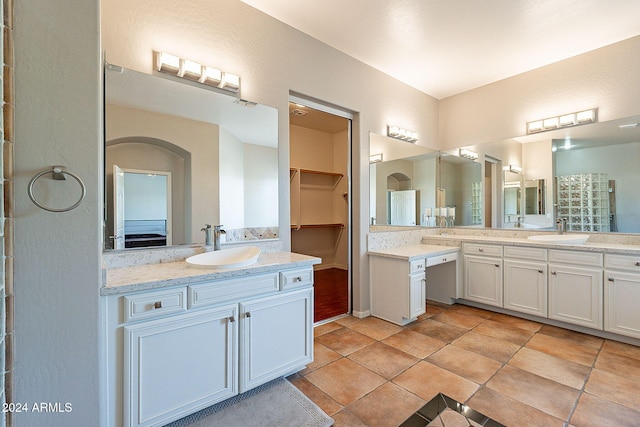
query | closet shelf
[301, 226]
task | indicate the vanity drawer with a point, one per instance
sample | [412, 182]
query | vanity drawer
[533, 254]
[417, 266]
[441, 259]
[482, 249]
[153, 304]
[296, 278]
[591, 259]
[211, 293]
[622, 262]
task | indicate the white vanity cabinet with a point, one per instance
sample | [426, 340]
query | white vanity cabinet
[622, 294]
[483, 273]
[398, 292]
[576, 287]
[177, 350]
[525, 279]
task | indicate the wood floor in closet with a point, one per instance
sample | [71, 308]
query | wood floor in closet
[331, 293]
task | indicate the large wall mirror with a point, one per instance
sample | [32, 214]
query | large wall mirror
[586, 174]
[209, 158]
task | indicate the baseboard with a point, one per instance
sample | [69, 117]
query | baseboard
[361, 314]
[319, 267]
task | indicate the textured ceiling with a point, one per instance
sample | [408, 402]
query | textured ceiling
[444, 47]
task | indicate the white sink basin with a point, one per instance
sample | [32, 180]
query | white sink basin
[226, 258]
[574, 239]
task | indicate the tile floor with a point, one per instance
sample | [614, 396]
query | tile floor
[369, 372]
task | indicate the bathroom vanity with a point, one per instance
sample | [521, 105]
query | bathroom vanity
[400, 283]
[181, 338]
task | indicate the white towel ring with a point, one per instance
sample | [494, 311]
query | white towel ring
[58, 173]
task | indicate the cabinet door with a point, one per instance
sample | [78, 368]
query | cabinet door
[417, 295]
[525, 287]
[621, 296]
[178, 365]
[276, 337]
[575, 295]
[483, 279]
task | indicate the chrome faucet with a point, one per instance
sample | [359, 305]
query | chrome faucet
[208, 239]
[217, 231]
[561, 223]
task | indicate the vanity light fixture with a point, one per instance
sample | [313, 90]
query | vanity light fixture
[468, 154]
[628, 126]
[375, 158]
[402, 134]
[194, 71]
[512, 168]
[562, 121]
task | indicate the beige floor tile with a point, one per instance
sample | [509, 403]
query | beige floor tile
[326, 328]
[465, 363]
[458, 319]
[577, 337]
[321, 356]
[593, 411]
[317, 396]
[527, 325]
[438, 330]
[432, 310]
[383, 359]
[426, 380]
[510, 412]
[470, 311]
[344, 341]
[632, 351]
[418, 345]
[386, 406]
[487, 346]
[621, 390]
[563, 371]
[345, 381]
[564, 349]
[618, 364]
[549, 396]
[504, 332]
[345, 418]
[375, 328]
[347, 321]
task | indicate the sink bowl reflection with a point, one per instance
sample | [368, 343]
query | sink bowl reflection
[226, 258]
[560, 238]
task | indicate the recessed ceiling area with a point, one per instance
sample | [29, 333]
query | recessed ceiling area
[445, 47]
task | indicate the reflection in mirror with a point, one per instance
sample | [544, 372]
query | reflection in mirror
[534, 197]
[512, 198]
[461, 188]
[221, 154]
[402, 184]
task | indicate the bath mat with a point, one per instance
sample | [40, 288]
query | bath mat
[276, 403]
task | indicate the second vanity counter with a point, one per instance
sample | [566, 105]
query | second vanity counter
[155, 276]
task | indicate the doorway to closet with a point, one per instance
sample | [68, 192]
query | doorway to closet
[320, 141]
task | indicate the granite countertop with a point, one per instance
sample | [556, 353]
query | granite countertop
[153, 276]
[413, 252]
[453, 239]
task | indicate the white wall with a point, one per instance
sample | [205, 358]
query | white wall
[58, 121]
[605, 78]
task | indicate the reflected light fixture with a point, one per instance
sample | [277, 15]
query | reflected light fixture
[194, 71]
[468, 154]
[375, 158]
[562, 121]
[402, 134]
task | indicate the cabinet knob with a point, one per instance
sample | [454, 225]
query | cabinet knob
[297, 279]
[247, 314]
[157, 304]
[611, 279]
[420, 266]
[553, 272]
[444, 260]
[540, 271]
[232, 319]
[480, 250]
[497, 265]
[637, 263]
